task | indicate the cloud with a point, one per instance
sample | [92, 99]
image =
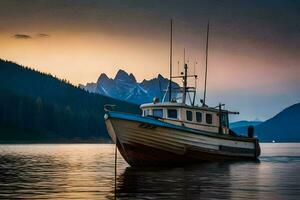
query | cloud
[43, 35]
[25, 36]
[22, 36]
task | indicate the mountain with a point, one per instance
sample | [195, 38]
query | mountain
[244, 123]
[283, 127]
[241, 127]
[125, 87]
[37, 107]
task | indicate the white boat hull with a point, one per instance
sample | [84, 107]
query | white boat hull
[145, 143]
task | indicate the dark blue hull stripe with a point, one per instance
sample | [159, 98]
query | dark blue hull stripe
[154, 122]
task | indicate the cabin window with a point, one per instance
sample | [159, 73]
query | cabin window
[198, 116]
[172, 113]
[189, 115]
[158, 113]
[146, 112]
[224, 120]
[208, 118]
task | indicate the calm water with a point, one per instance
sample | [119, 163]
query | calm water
[77, 171]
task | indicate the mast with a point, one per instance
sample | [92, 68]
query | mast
[207, 34]
[195, 76]
[183, 56]
[170, 82]
[184, 83]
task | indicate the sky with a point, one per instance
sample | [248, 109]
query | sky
[253, 62]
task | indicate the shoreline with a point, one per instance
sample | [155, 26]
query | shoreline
[100, 141]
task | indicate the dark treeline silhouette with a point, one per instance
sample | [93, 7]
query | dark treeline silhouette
[35, 106]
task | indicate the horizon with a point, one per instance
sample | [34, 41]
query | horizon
[253, 64]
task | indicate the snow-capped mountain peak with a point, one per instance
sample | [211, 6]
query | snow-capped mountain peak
[125, 87]
[124, 76]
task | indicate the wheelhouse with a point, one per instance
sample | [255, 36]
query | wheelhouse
[200, 118]
[182, 111]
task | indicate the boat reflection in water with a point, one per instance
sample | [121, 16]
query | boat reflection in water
[86, 171]
[207, 181]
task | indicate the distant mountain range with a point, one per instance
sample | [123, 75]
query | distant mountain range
[241, 127]
[37, 107]
[125, 87]
[244, 123]
[283, 127]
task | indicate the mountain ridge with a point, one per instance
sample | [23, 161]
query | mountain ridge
[124, 86]
[283, 127]
[36, 106]
[242, 123]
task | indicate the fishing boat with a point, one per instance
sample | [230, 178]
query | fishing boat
[176, 131]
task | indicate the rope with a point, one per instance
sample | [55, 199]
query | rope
[116, 153]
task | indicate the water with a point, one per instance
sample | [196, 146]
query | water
[86, 171]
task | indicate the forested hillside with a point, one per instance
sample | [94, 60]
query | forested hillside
[39, 107]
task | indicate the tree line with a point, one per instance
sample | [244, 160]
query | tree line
[35, 106]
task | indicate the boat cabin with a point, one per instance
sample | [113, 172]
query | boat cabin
[205, 118]
[195, 117]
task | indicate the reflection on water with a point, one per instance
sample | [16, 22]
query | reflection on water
[87, 171]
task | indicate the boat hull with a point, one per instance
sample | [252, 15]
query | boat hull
[147, 142]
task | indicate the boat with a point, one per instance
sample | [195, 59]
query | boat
[176, 131]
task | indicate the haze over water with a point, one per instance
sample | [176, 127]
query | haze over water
[69, 171]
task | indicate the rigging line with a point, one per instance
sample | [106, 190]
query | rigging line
[165, 94]
[194, 98]
[116, 154]
[160, 90]
[195, 77]
[195, 63]
[183, 56]
[207, 35]
[170, 82]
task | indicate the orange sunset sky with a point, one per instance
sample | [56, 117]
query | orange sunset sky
[254, 57]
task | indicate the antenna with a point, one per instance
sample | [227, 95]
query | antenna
[183, 56]
[195, 76]
[170, 83]
[185, 89]
[184, 78]
[207, 34]
[195, 63]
